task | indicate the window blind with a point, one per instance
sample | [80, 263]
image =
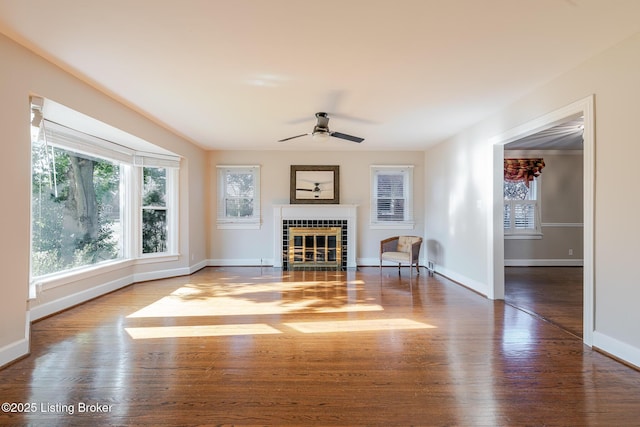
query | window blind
[64, 137]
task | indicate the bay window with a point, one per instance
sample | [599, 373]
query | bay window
[96, 201]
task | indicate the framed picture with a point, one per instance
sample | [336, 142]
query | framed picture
[315, 184]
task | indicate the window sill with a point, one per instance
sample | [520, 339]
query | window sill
[392, 226]
[153, 258]
[532, 236]
[60, 279]
[238, 226]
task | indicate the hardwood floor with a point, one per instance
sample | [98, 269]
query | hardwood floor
[553, 293]
[245, 346]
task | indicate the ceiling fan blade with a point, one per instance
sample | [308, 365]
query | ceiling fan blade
[292, 137]
[347, 137]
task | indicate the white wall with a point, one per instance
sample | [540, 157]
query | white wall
[459, 229]
[23, 74]
[242, 247]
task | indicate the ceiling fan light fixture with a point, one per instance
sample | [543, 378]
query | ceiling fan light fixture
[320, 136]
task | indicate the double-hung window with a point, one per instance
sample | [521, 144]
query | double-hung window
[158, 199]
[521, 214]
[238, 196]
[392, 197]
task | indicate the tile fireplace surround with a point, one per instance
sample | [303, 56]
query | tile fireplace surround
[308, 213]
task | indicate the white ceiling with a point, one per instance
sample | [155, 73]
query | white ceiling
[242, 74]
[564, 136]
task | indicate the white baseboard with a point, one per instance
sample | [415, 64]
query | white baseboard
[48, 308]
[481, 288]
[616, 348]
[13, 351]
[161, 274]
[198, 266]
[543, 262]
[241, 262]
[17, 349]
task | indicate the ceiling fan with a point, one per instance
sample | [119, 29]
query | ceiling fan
[321, 131]
[316, 190]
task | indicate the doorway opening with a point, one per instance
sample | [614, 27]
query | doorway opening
[543, 243]
[580, 109]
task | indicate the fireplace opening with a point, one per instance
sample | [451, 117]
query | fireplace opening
[315, 247]
[314, 244]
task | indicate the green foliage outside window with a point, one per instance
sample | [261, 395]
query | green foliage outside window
[75, 210]
[154, 211]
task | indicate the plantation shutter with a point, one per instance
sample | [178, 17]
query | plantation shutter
[520, 215]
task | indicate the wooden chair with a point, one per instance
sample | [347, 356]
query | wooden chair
[401, 249]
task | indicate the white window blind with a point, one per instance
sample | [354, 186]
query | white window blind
[392, 196]
[61, 136]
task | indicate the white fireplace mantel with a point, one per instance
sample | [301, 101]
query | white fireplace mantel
[292, 212]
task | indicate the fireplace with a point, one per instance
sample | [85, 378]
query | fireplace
[315, 248]
[326, 237]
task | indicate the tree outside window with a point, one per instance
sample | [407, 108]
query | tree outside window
[239, 193]
[154, 210]
[75, 209]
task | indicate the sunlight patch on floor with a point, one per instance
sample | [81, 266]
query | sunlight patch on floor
[357, 325]
[258, 299]
[262, 329]
[200, 331]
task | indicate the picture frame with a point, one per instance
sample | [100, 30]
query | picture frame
[312, 184]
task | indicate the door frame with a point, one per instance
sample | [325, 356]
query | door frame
[583, 107]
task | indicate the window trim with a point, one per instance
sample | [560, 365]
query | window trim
[408, 222]
[230, 223]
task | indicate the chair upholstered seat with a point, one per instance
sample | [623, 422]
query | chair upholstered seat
[396, 256]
